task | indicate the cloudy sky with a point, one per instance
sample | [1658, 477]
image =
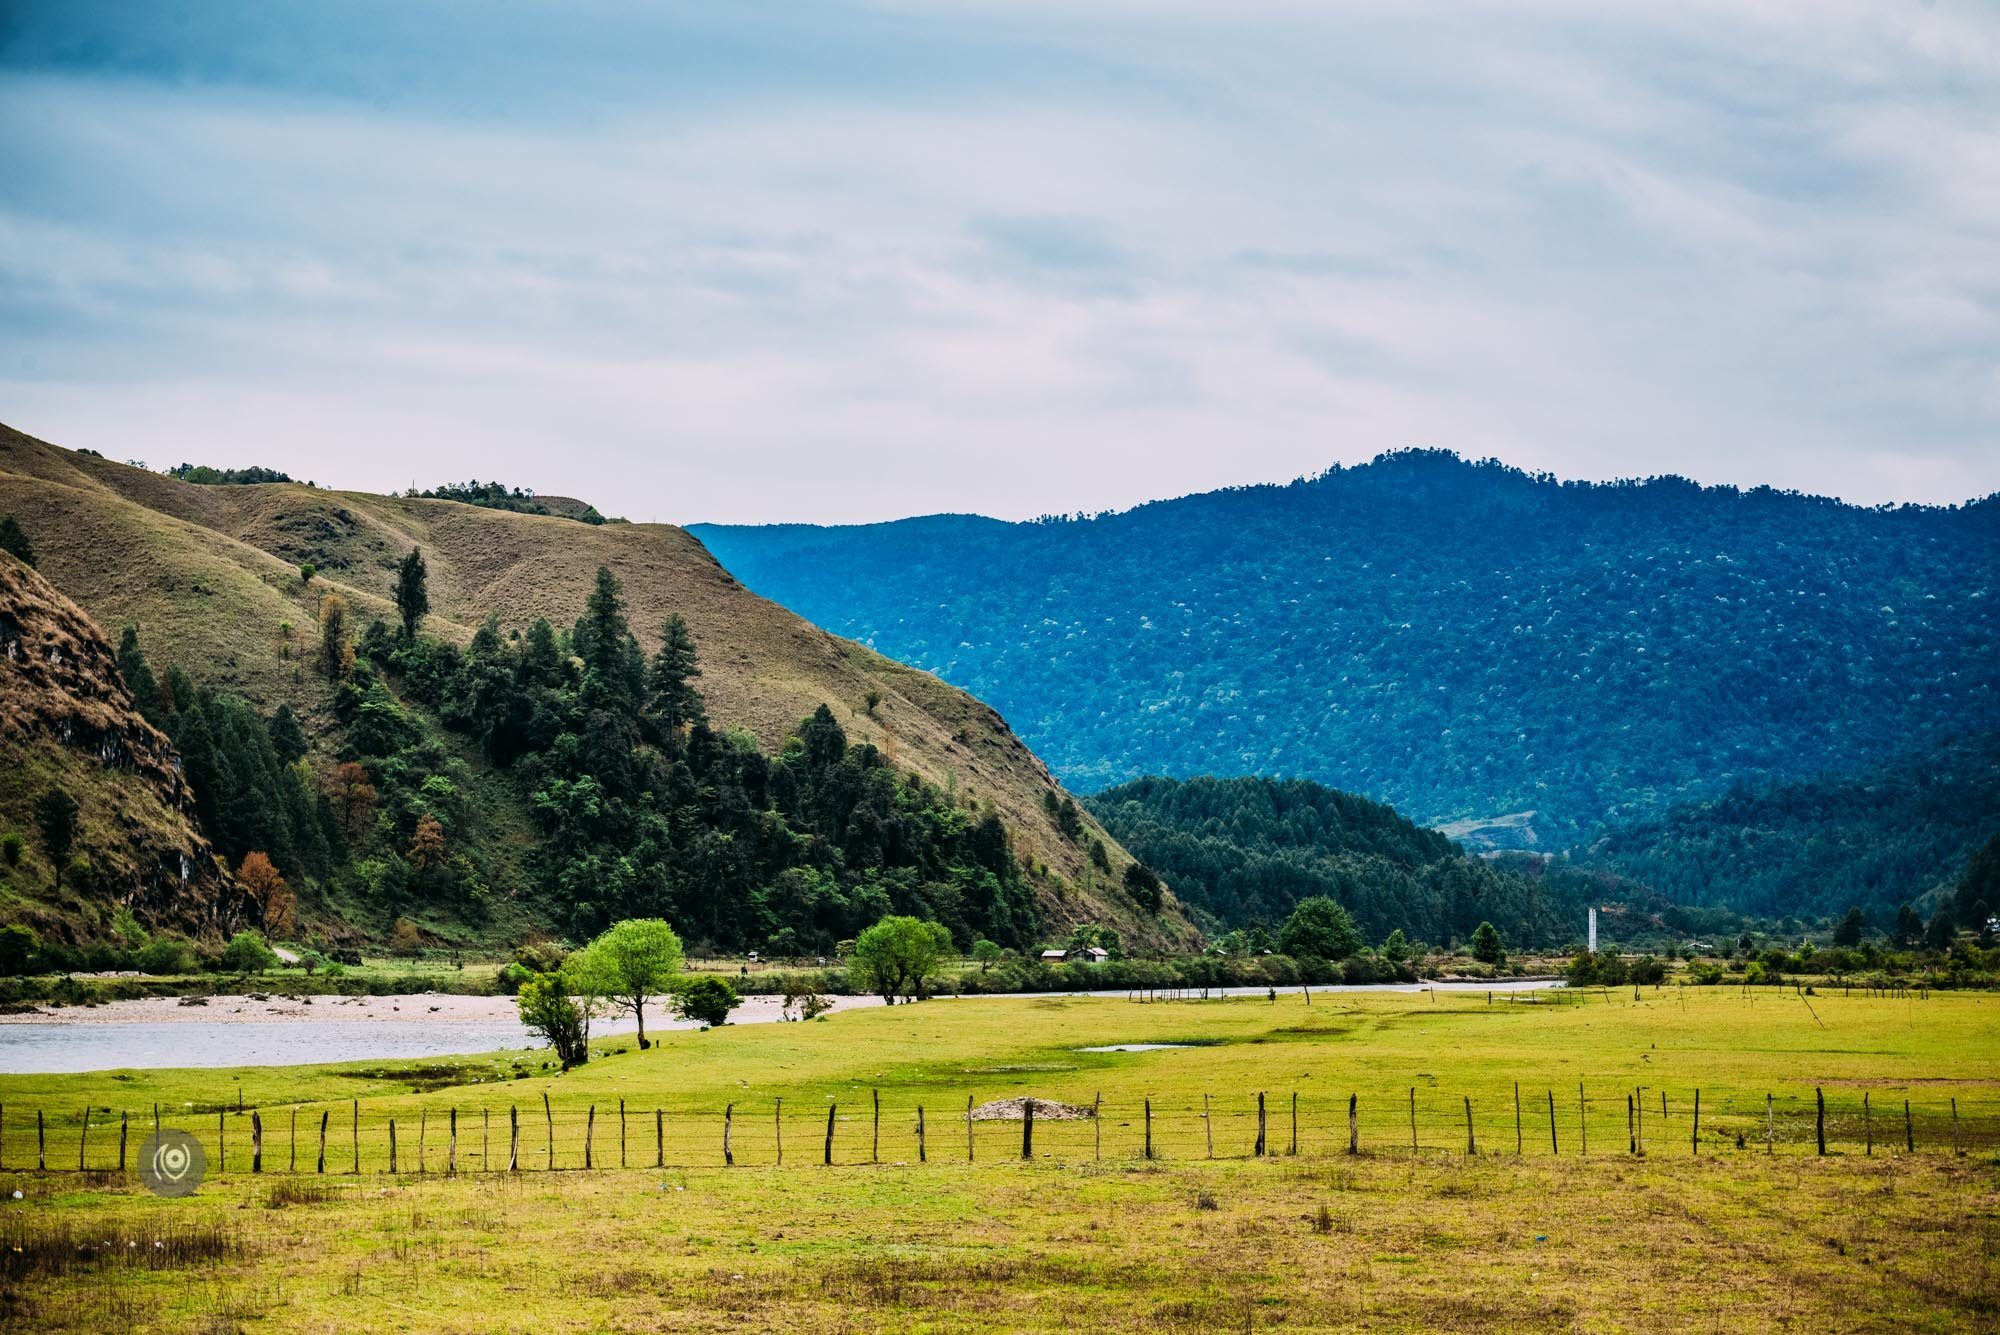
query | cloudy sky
[853, 261]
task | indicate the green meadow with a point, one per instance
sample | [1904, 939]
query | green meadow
[1737, 1222]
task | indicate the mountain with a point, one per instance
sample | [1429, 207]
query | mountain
[1897, 833]
[210, 575]
[1245, 851]
[68, 723]
[1536, 659]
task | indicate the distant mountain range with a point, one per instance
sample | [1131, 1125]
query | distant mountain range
[1466, 641]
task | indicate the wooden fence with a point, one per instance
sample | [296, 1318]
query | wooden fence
[421, 1138]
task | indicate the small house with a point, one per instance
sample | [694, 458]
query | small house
[1091, 955]
[1054, 956]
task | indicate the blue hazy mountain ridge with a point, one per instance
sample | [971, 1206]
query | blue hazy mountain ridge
[1462, 640]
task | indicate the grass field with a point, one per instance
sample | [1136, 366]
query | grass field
[1089, 1233]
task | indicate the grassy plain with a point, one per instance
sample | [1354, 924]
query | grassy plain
[1090, 1234]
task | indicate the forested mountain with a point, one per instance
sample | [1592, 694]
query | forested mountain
[1894, 834]
[486, 763]
[1244, 851]
[1462, 640]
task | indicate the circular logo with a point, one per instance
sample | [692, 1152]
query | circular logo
[171, 1163]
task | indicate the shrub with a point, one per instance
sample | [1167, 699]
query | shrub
[706, 999]
[247, 952]
[164, 955]
[511, 978]
[11, 845]
[18, 943]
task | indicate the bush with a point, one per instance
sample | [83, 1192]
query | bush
[18, 943]
[164, 955]
[11, 845]
[512, 977]
[540, 955]
[247, 952]
[706, 999]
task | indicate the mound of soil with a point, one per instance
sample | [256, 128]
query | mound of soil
[1046, 1110]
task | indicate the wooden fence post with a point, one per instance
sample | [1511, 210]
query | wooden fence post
[1354, 1124]
[324, 1115]
[83, 1140]
[728, 1121]
[875, 1143]
[356, 1124]
[123, 1120]
[1208, 1125]
[423, 1134]
[294, 1138]
[1471, 1147]
[1770, 1127]
[1027, 1128]
[1517, 1117]
[778, 1128]
[256, 1143]
[1413, 1119]
[1909, 1130]
[827, 1160]
[548, 1116]
[392, 1147]
[485, 1140]
[1819, 1118]
[968, 1128]
[1582, 1123]
[1295, 1123]
[1639, 1122]
[1554, 1147]
[1694, 1138]
[1955, 1150]
[1097, 1124]
[1867, 1127]
[922, 1152]
[1260, 1124]
[451, 1146]
[659, 1138]
[1631, 1136]
[41, 1144]
[3, 1135]
[1149, 1128]
[589, 1133]
[621, 1133]
[513, 1138]
[221, 1143]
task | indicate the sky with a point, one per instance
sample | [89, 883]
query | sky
[851, 261]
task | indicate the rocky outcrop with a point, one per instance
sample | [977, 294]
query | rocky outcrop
[64, 711]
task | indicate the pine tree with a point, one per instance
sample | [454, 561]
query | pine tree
[288, 739]
[55, 821]
[336, 654]
[139, 679]
[676, 702]
[413, 597]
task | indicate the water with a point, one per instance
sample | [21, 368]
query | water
[63, 1049]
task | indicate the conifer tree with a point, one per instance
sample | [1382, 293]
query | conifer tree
[413, 597]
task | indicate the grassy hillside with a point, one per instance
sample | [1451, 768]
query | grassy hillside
[210, 576]
[1465, 641]
[68, 725]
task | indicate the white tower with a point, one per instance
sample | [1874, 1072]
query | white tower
[1593, 930]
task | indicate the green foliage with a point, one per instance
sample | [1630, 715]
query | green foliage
[15, 542]
[547, 1009]
[705, 999]
[1486, 945]
[247, 798]
[165, 955]
[248, 952]
[18, 944]
[11, 845]
[1245, 851]
[413, 599]
[1143, 884]
[498, 496]
[139, 679]
[203, 475]
[1979, 885]
[1343, 628]
[1321, 928]
[629, 962]
[1849, 930]
[55, 822]
[898, 957]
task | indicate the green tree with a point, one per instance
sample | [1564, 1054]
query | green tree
[288, 739]
[1397, 948]
[1144, 887]
[18, 943]
[413, 598]
[547, 1009]
[1909, 926]
[1487, 947]
[1941, 930]
[334, 649]
[306, 572]
[1321, 928]
[898, 957]
[675, 701]
[705, 999]
[629, 962]
[139, 679]
[247, 952]
[986, 954]
[14, 542]
[55, 821]
[1848, 931]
